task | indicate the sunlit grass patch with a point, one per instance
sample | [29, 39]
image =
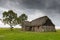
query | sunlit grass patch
[17, 34]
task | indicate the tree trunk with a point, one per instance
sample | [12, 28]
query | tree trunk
[11, 27]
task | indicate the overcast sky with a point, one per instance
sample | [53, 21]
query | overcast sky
[33, 8]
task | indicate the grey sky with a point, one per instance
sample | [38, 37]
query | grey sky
[33, 8]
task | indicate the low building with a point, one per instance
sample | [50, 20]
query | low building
[42, 24]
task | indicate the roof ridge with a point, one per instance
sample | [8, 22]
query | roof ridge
[40, 18]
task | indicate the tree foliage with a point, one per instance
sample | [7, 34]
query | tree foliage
[10, 18]
[22, 18]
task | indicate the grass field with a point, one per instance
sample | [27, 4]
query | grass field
[16, 34]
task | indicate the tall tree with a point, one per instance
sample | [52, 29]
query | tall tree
[10, 18]
[22, 18]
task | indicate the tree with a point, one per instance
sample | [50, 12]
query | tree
[10, 18]
[22, 18]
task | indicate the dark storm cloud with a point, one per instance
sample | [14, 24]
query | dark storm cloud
[42, 4]
[49, 4]
[2, 2]
[34, 4]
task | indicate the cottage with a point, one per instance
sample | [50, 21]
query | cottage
[42, 24]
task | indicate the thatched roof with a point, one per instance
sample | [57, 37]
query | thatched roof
[26, 23]
[37, 22]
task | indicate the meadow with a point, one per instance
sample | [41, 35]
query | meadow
[17, 34]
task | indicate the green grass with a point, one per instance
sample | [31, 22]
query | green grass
[17, 34]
